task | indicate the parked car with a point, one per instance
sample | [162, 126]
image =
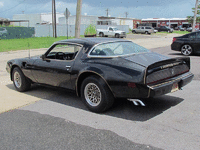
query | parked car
[189, 29]
[111, 32]
[144, 29]
[180, 28]
[3, 32]
[187, 44]
[102, 69]
[155, 30]
[164, 28]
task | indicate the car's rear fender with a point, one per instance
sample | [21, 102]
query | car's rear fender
[86, 73]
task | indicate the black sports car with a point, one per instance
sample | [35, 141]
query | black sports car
[102, 69]
[188, 44]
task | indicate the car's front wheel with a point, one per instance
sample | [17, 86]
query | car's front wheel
[117, 35]
[96, 95]
[186, 50]
[20, 82]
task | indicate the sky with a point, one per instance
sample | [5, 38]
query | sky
[140, 9]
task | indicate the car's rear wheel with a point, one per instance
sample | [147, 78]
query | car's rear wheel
[117, 35]
[186, 50]
[20, 82]
[96, 95]
[133, 31]
[146, 32]
[101, 34]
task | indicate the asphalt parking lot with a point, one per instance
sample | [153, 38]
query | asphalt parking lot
[48, 118]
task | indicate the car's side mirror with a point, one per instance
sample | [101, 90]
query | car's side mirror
[43, 57]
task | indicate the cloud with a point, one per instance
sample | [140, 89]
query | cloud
[1, 4]
[161, 10]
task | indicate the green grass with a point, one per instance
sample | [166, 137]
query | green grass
[181, 32]
[28, 43]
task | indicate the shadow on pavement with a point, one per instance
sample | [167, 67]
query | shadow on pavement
[121, 109]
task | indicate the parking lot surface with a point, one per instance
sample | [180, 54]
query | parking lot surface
[49, 118]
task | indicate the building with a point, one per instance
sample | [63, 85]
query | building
[84, 20]
[172, 22]
[112, 21]
[34, 19]
[4, 21]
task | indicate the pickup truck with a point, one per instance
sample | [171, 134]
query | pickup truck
[111, 31]
[164, 28]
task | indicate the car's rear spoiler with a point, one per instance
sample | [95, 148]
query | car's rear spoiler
[167, 63]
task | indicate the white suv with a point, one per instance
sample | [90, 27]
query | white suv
[144, 29]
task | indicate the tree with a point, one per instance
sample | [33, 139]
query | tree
[196, 17]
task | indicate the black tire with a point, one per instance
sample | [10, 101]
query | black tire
[20, 82]
[96, 95]
[133, 32]
[101, 34]
[186, 50]
[146, 32]
[117, 35]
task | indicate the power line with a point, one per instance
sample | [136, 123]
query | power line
[13, 7]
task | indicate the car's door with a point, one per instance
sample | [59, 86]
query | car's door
[142, 30]
[110, 32]
[138, 29]
[54, 68]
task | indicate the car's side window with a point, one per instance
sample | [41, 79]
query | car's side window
[64, 52]
[142, 28]
[198, 35]
[192, 36]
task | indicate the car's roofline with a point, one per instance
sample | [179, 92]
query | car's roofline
[90, 41]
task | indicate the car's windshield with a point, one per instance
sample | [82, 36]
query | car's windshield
[117, 49]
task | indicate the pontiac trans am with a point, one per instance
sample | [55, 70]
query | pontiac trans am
[102, 69]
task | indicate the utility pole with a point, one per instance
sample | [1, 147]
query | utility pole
[78, 18]
[54, 18]
[126, 13]
[107, 12]
[195, 16]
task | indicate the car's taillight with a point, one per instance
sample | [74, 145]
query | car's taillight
[174, 39]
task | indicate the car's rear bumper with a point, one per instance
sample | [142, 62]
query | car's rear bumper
[175, 46]
[131, 90]
[166, 87]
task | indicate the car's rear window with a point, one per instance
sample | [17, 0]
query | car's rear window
[117, 49]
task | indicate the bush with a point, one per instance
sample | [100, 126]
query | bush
[90, 30]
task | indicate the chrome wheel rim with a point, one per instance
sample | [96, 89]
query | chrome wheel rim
[92, 94]
[17, 80]
[186, 50]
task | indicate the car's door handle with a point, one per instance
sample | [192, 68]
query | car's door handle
[68, 67]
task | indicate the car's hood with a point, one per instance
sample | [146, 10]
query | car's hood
[145, 59]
